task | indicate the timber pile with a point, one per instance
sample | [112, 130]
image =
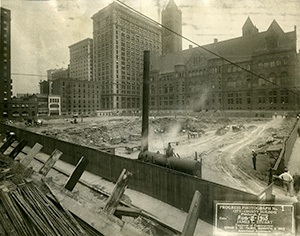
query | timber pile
[26, 210]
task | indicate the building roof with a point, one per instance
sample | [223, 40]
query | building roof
[248, 23]
[171, 4]
[84, 41]
[238, 49]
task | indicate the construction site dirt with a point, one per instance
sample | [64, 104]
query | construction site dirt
[223, 145]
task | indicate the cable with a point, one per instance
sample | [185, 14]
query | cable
[217, 55]
[29, 74]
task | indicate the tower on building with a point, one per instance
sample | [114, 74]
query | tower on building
[172, 22]
[249, 28]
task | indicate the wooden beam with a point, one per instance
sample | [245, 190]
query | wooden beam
[104, 223]
[18, 148]
[7, 144]
[193, 215]
[31, 154]
[50, 162]
[76, 174]
[117, 192]
[127, 211]
[74, 221]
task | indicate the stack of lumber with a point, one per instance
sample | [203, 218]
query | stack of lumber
[26, 210]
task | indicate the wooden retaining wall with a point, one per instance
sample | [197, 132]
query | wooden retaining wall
[169, 186]
[286, 151]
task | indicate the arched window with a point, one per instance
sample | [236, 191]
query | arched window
[239, 82]
[262, 81]
[231, 82]
[249, 81]
[54, 106]
[266, 64]
[25, 114]
[15, 114]
[284, 78]
[272, 78]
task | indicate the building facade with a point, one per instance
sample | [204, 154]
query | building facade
[54, 74]
[260, 72]
[81, 60]
[24, 107]
[120, 38]
[5, 64]
[77, 97]
[29, 106]
[44, 87]
[54, 105]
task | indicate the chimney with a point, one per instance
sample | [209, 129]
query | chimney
[215, 40]
[145, 111]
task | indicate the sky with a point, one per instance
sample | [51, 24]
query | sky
[42, 30]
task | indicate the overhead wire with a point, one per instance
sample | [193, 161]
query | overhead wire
[202, 47]
[28, 74]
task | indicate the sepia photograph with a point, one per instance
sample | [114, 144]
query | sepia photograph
[150, 117]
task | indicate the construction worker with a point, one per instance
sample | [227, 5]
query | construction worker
[271, 173]
[254, 154]
[287, 180]
[169, 150]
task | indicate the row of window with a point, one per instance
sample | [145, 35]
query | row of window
[54, 100]
[136, 27]
[233, 69]
[273, 63]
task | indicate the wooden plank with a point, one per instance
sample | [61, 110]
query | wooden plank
[99, 220]
[76, 174]
[32, 153]
[81, 230]
[266, 195]
[193, 215]
[117, 192]
[56, 154]
[127, 211]
[7, 144]
[18, 148]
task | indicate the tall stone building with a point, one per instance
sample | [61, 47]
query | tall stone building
[172, 22]
[263, 75]
[81, 60]
[5, 63]
[120, 37]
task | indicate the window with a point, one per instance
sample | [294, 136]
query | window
[272, 64]
[273, 97]
[261, 81]
[231, 83]
[266, 64]
[272, 78]
[284, 78]
[278, 63]
[284, 99]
